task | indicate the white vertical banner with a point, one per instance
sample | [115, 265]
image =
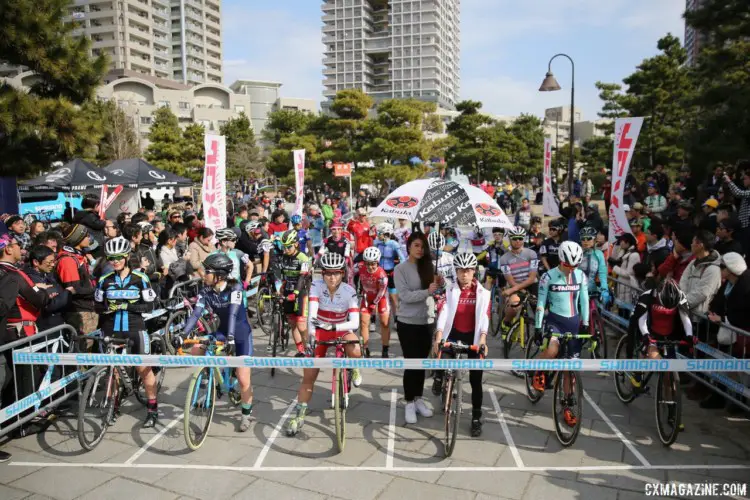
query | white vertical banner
[299, 178]
[549, 203]
[626, 136]
[126, 202]
[215, 182]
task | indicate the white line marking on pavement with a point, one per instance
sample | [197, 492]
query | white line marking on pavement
[274, 434]
[506, 430]
[154, 439]
[583, 468]
[391, 430]
[617, 432]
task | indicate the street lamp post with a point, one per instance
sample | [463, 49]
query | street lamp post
[550, 84]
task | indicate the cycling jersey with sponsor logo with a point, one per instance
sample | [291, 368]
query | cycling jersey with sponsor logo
[519, 265]
[373, 284]
[564, 296]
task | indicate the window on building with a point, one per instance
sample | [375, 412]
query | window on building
[184, 105]
[238, 108]
[145, 120]
[164, 104]
[221, 123]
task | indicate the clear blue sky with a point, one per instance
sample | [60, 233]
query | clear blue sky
[505, 46]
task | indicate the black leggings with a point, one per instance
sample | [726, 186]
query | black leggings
[416, 341]
[475, 376]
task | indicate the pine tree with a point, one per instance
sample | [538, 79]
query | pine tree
[165, 137]
[192, 151]
[54, 120]
[243, 154]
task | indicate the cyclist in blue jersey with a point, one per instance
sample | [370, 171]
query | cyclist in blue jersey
[593, 263]
[390, 253]
[491, 258]
[564, 291]
[226, 298]
[302, 234]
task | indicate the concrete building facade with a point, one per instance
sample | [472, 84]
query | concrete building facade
[393, 49]
[693, 39]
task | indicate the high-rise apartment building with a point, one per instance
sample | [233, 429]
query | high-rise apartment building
[173, 39]
[393, 48]
[693, 38]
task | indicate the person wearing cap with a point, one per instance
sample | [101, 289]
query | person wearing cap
[636, 227]
[74, 274]
[683, 218]
[637, 212]
[362, 232]
[624, 258]
[709, 218]
[677, 261]
[655, 202]
[702, 278]
[17, 228]
[317, 225]
[725, 231]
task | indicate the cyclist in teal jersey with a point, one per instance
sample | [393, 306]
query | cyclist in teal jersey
[593, 263]
[227, 241]
[564, 288]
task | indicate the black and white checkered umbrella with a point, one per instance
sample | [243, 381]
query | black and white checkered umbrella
[443, 202]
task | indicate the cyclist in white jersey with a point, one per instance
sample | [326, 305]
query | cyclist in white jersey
[333, 312]
[402, 233]
[519, 265]
[444, 259]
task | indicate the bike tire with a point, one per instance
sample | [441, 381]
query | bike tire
[198, 393]
[601, 347]
[623, 388]
[101, 380]
[453, 414]
[532, 351]
[157, 347]
[264, 308]
[496, 314]
[668, 435]
[174, 319]
[561, 428]
[276, 339]
[339, 408]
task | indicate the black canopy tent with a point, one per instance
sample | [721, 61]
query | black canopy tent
[143, 174]
[76, 175]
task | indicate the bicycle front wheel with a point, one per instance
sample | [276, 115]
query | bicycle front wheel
[200, 403]
[513, 344]
[600, 352]
[278, 332]
[623, 387]
[96, 407]
[339, 407]
[668, 407]
[454, 398]
[496, 312]
[264, 308]
[532, 351]
[174, 326]
[563, 402]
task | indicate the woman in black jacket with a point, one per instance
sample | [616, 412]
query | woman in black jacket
[730, 302]
[41, 269]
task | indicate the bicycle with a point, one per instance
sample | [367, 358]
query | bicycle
[665, 405]
[516, 334]
[496, 306]
[597, 345]
[561, 401]
[341, 385]
[452, 392]
[202, 392]
[107, 387]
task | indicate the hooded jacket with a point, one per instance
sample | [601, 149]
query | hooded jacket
[700, 282]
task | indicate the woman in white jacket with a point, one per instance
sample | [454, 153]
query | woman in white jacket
[623, 259]
[465, 318]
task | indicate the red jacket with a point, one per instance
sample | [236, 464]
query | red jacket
[275, 227]
[361, 232]
[675, 265]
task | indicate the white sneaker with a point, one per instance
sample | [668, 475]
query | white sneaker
[411, 413]
[422, 408]
[356, 378]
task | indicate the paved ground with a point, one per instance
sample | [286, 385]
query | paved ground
[518, 457]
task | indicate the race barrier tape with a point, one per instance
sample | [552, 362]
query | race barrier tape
[598, 365]
[38, 397]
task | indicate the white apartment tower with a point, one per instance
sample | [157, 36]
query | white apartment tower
[393, 48]
[173, 39]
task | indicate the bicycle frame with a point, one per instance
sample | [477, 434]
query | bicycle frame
[224, 375]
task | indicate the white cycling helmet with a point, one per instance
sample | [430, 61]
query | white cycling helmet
[371, 254]
[332, 262]
[145, 227]
[465, 260]
[517, 231]
[117, 246]
[252, 226]
[385, 228]
[436, 241]
[570, 253]
[226, 234]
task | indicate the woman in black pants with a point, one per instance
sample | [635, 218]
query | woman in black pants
[415, 282]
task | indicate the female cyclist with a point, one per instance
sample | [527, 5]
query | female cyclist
[226, 298]
[373, 281]
[121, 297]
[334, 313]
[593, 264]
[227, 243]
[465, 318]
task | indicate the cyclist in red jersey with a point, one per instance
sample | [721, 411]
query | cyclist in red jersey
[333, 314]
[374, 283]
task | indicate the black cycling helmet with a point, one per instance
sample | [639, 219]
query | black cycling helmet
[669, 294]
[219, 264]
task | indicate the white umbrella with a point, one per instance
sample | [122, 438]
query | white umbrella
[444, 202]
